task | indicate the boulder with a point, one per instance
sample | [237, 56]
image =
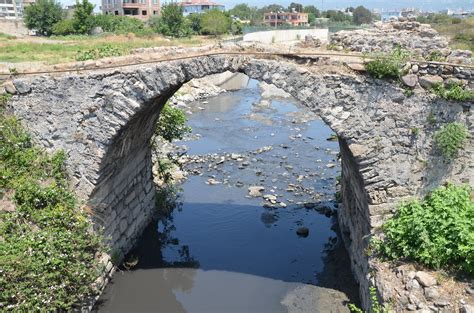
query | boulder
[302, 231]
[256, 191]
[429, 81]
[410, 80]
[425, 279]
[96, 30]
[9, 87]
[358, 67]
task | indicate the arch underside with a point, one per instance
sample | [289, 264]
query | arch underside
[104, 121]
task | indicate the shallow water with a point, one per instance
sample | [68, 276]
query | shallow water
[221, 251]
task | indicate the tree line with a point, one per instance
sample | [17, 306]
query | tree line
[48, 18]
[254, 15]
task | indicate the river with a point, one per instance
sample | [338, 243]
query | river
[223, 250]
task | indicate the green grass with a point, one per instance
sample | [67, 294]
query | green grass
[67, 49]
[47, 252]
[6, 37]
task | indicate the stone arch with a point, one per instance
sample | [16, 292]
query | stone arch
[103, 120]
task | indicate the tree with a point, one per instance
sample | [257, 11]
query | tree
[312, 9]
[215, 22]
[194, 21]
[172, 22]
[62, 28]
[337, 16]
[82, 19]
[362, 15]
[297, 6]
[42, 15]
[272, 8]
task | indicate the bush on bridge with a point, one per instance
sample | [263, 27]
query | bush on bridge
[172, 124]
[450, 139]
[437, 232]
[454, 91]
[387, 65]
[47, 251]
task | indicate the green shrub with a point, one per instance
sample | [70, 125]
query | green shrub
[387, 65]
[118, 24]
[375, 306]
[98, 53]
[454, 92]
[4, 99]
[64, 27]
[437, 232]
[171, 22]
[172, 124]
[450, 138]
[47, 252]
[436, 56]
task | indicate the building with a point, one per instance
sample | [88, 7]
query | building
[280, 18]
[141, 9]
[199, 6]
[13, 9]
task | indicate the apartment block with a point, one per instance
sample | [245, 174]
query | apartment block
[141, 9]
[281, 18]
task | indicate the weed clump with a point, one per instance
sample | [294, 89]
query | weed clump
[450, 139]
[47, 251]
[437, 232]
[387, 65]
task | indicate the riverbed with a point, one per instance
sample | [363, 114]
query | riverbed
[225, 249]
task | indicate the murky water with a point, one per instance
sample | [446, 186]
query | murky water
[223, 251]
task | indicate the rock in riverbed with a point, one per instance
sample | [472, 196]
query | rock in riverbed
[256, 191]
[302, 231]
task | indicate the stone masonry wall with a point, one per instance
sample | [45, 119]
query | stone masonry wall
[104, 121]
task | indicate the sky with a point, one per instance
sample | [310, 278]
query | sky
[426, 5]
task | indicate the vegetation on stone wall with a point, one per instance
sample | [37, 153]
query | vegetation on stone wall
[387, 65]
[454, 92]
[47, 250]
[450, 139]
[172, 124]
[437, 232]
[375, 305]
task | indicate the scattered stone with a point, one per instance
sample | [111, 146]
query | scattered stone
[442, 302]
[9, 87]
[302, 231]
[431, 293]
[330, 165]
[429, 81]
[212, 181]
[410, 80]
[358, 67]
[256, 191]
[270, 197]
[425, 279]
[412, 284]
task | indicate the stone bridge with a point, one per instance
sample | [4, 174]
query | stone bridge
[104, 120]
